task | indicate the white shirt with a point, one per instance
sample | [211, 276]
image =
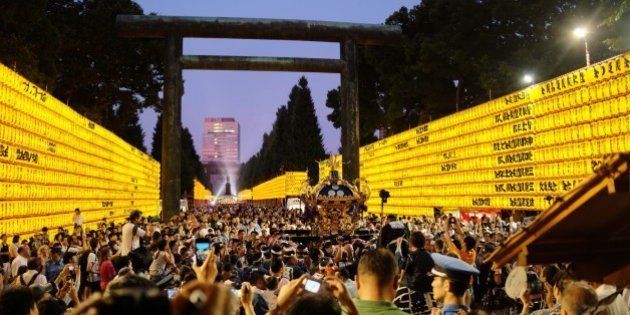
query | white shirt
[158, 265]
[77, 220]
[93, 275]
[17, 262]
[129, 241]
[513, 227]
[27, 276]
[13, 250]
[617, 306]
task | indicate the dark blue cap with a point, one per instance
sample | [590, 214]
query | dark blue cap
[452, 268]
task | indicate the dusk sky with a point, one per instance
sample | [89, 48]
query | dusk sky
[252, 97]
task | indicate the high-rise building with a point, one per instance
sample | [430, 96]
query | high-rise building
[220, 151]
[221, 140]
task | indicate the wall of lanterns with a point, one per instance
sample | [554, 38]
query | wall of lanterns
[514, 152]
[288, 184]
[53, 160]
[245, 195]
[200, 192]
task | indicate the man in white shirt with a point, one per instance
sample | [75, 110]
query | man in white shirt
[32, 277]
[77, 220]
[131, 234]
[20, 259]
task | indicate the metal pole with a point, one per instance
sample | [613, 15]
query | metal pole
[349, 111]
[457, 91]
[171, 128]
[588, 55]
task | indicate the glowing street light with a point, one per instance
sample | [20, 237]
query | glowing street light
[528, 78]
[582, 32]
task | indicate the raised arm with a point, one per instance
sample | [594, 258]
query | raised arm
[447, 238]
[337, 257]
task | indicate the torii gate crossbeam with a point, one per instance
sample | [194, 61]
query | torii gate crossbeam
[173, 29]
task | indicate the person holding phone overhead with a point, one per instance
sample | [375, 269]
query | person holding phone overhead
[202, 249]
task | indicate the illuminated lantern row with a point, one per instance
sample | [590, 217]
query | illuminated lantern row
[288, 184]
[53, 160]
[201, 192]
[515, 152]
[245, 194]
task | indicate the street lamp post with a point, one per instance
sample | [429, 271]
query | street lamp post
[581, 32]
[456, 83]
[588, 56]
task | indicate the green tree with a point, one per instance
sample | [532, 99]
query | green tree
[156, 140]
[275, 151]
[72, 48]
[617, 24]
[294, 143]
[191, 166]
[188, 164]
[486, 46]
[29, 41]
[305, 141]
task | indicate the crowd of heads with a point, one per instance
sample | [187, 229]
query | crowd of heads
[259, 260]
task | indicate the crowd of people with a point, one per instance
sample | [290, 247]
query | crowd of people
[265, 260]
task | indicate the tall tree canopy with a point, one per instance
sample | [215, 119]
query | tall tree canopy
[294, 143]
[486, 46]
[71, 47]
[617, 25]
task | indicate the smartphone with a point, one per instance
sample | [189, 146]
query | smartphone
[171, 293]
[312, 286]
[201, 250]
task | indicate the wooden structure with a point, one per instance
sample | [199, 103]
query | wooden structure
[173, 29]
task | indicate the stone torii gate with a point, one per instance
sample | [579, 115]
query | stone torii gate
[174, 28]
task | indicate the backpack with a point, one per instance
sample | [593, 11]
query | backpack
[30, 282]
[141, 257]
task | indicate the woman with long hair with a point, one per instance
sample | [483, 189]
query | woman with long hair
[161, 259]
[90, 269]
